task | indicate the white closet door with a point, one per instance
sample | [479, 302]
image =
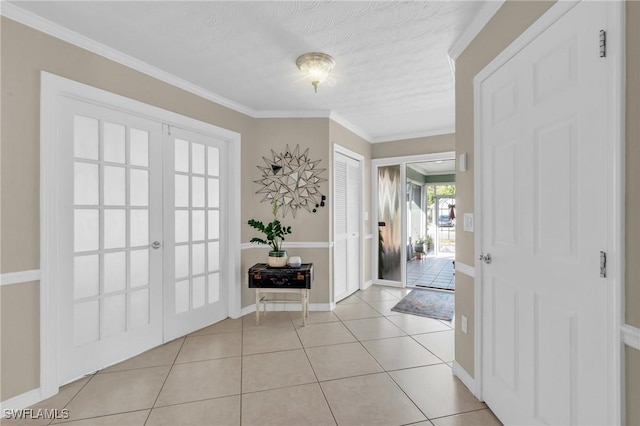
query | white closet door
[111, 207]
[353, 225]
[195, 209]
[346, 249]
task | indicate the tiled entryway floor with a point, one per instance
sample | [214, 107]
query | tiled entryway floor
[431, 271]
[358, 365]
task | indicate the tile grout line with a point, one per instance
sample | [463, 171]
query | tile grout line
[324, 395]
[155, 401]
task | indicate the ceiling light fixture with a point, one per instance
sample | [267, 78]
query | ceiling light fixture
[317, 66]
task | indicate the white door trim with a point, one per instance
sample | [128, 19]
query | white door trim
[390, 161]
[615, 261]
[360, 159]
[53, 90]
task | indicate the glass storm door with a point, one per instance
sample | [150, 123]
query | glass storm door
[194, 243]
[110, 295]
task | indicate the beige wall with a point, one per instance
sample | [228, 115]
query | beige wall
[507, 24]
[20, 344]
[275, 134]
[417, 146]
[24, 54]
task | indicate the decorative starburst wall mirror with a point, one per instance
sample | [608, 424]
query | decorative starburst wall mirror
[293, 180]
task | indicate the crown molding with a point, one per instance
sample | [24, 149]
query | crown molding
[475, 26]
[344, 123]
[406, 136]
[292, 114]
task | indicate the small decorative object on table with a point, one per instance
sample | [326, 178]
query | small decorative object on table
[274, 232]
[295, 261]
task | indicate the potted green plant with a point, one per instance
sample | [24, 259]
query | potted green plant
[274, 233]
[419, 245]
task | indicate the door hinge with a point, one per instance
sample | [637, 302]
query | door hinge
[603, 44]
[603, 264]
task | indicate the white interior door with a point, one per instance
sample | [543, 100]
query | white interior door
[195, 209]
[346, 251]
[110, 292]
[545, 179]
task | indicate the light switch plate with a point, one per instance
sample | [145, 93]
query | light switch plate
[468, 222]
[463, 326]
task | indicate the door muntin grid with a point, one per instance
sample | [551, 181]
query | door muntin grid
[197, 204]
[111, 208]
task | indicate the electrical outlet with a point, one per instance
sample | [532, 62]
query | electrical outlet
[463, 325]
[468, 222]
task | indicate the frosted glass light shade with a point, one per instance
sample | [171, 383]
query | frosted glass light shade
[317, 66]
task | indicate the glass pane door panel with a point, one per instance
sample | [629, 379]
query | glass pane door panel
[196, 224]
[111, 169]
[85, 137]
[139, 187]
[139, 147]
[86, 188]
[86, 230]
[86, 276]
[389, 223]
[139, 233]
[115, 272]
[114, 186]
[114, 142]
[115, 229]
[139, 266]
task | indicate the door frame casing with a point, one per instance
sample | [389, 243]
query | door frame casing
[53, 90]
[616, 212]
[360, 159]
[402, 162]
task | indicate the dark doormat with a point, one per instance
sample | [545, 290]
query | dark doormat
[428, 303]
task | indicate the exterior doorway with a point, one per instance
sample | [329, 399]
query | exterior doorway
[415, 221]
[431, 220]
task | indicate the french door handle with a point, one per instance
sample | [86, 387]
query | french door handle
[156, 245]
[486, 258]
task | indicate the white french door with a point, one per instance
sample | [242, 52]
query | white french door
[138, 245]
[546, 188]
[347, 223]
[194, 244]
[111, 278]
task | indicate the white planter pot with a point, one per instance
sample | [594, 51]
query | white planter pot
[277, 259]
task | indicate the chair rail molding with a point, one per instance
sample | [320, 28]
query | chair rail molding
[19, 277]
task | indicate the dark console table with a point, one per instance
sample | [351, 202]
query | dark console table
[266, 280]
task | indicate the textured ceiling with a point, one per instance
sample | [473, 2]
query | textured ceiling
[392, 78]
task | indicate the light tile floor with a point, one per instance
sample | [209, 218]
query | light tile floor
[359, 365]
[431, 271]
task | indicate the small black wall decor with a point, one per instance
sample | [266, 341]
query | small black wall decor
[293, 180]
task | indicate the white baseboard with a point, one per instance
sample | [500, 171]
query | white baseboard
[367, 284]
[465, 378]
[19, 402]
